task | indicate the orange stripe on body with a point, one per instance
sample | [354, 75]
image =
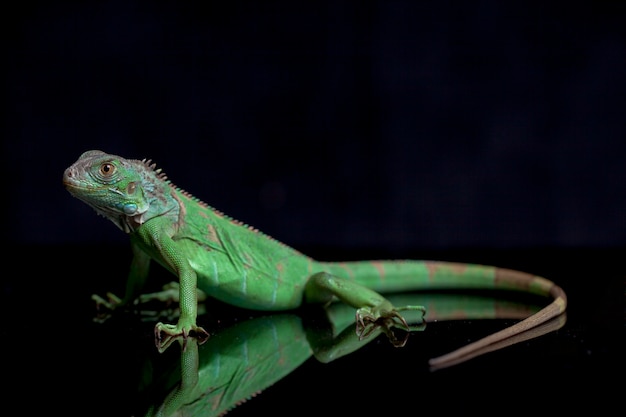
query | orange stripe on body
[380, 267]
[348, 270]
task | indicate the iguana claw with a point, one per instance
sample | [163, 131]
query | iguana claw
[105, 307]
[368, 320]
[166, 334]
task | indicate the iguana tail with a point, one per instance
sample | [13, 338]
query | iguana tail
[398, 276]
[553, 310]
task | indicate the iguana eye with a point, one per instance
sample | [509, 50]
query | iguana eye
[106, 169]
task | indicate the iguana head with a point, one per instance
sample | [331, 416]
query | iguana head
[117, 188]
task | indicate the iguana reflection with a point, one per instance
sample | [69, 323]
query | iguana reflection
[242, 360]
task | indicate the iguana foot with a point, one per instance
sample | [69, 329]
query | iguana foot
[111, 302]
[369, 319]
[166, 334]
[104, 307]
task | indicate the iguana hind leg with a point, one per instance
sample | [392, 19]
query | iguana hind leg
[373, 310]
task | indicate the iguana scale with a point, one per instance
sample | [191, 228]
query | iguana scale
[242, 266]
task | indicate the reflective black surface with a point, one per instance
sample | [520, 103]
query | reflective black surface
[58, 359]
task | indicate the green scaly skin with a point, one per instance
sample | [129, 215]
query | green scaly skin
[241, 266]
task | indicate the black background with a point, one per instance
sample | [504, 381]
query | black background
[355, 124]
[488, 132]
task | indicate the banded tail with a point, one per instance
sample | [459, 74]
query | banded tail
[409, 275]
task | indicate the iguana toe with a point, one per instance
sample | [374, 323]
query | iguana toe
[369, 319]
[111, 302]
[166, 334]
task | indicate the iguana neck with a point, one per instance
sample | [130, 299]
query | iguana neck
[159, 195]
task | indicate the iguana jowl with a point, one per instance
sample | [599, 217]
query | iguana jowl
[239, 265]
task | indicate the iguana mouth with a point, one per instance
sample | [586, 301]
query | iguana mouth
[72, 183]
[75, 188]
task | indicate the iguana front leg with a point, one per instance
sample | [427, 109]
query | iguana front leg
[373, 310]
[165, 334]
[161, 245]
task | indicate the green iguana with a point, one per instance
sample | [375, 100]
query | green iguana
[239, 265]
